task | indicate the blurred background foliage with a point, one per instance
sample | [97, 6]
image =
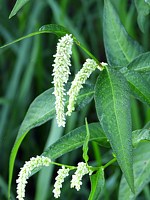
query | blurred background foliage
[25, 72]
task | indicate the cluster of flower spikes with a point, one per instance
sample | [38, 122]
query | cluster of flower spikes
[76, 182]
[40, 161]
[61, 73]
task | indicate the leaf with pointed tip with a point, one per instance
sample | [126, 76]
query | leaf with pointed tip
[54, 28]
[97, 183]
[113, 110]
[18, 5]
[119, 46]
[40, 111]
[50, 28]
[141, 168]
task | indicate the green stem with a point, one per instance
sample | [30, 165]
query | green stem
[109, 163]
[68, 166]
[87, 52]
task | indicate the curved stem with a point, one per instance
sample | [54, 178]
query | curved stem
[87, 52]
[68, 166]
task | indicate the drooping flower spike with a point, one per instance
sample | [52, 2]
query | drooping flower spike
[61, 73]
[62, 174]
[25, 172]
[88, 67]
[82, 170]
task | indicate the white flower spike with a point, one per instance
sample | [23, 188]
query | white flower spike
[25, 172]
[76, 181]
[62, 174]
[88, 67]
[61, 73]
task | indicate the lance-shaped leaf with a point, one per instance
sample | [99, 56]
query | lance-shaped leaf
[50, 28]
[119, 46]
[97, 183]
[75, 139]
[18, 5]
[141, 167]
[40, 111]
[113, 110]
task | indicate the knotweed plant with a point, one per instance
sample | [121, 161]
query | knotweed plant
[125, 76]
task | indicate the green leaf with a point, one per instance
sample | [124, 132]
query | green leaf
[139, 86]
[75, 139]
[51, 28]
[85, 144]
[18, 5]
[59, 31]
[141, 63]
[140, 136]
[143, 9]
[55, 28]
[119, 46]
[141, 166]
[113, 110]
[40, 111]
[97, 183]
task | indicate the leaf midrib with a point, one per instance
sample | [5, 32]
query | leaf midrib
[77, 145]
[114, 105]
